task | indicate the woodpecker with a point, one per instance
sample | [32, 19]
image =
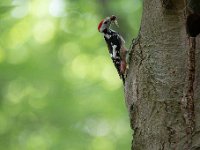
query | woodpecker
[116, 45]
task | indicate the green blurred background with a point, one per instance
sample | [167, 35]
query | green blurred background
[58, 87]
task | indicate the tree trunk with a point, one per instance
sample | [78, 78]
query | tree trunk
[162, 87]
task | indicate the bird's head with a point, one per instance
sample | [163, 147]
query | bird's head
[105, 23]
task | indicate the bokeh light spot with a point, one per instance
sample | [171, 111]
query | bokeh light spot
[80, 66]
[37, 141]
[39, 8]
[57, 8]
[97, 128]
[18, 34]
[44, 31]
[17, 56]
[68, 51]
[15, 92]
[21, 8]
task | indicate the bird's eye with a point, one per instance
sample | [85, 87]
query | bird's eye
[105, 22]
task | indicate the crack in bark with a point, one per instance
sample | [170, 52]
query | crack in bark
[172, 131]
[163, 145]
[141, 56]
[188, 98]
[172, 139]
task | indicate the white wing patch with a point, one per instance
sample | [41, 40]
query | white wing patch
[114, 51]
[107, 36]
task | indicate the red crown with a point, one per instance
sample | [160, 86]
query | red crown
[100, 24]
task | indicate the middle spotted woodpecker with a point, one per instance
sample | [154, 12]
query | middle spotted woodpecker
[116, 45]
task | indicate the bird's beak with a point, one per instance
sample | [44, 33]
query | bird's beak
[114, 19]
[116, 23]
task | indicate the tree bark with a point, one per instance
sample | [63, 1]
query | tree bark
[162, 87]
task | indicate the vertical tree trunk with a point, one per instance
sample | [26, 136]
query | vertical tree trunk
[163, 83]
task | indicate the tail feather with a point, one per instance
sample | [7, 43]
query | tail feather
[123, 79]
[121, 75]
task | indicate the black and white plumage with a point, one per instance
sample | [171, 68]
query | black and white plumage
[116, 45]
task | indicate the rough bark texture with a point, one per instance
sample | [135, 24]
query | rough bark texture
[163, 84]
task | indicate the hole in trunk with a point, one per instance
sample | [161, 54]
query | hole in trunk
[193, 24]
[167, 4]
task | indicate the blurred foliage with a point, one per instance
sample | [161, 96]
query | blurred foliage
[58, 87]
